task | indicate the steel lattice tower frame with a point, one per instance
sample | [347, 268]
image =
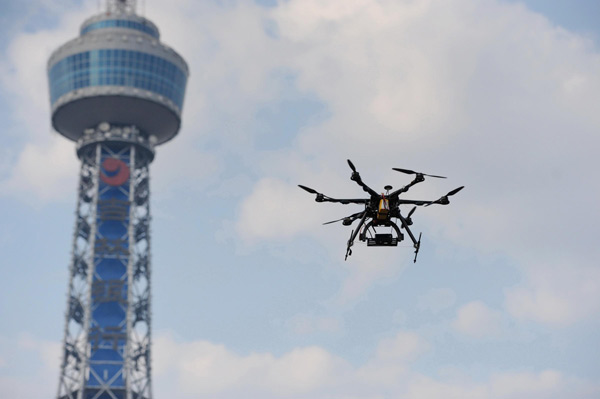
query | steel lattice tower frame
[117, 92]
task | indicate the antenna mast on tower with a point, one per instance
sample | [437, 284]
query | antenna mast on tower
[120, 6]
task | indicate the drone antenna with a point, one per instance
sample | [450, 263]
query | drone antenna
[387, 189]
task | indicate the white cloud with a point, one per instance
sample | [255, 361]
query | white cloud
[389, 367]
[515, 385]
[204, 368]
[303, 324]
[367, 267]
[437, 299]
[48, 351]
[39, 358]
[44, 172]
[477, 320]
[490, 94]
[482, 92]
[24, 66]
[398, 78]
[557, 293]
[190, 369]
[45, 167]
[275, 210]
[279, 212]
[232, 60]
[546, 384]
[404, 346]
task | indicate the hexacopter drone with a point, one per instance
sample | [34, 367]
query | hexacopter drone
[379, 211]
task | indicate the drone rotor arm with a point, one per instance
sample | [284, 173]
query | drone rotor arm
[354, 234]
[417, 180]
[412, 172]
[443, 200]
[411, 212]
[365, 188]
[346, 201]
[401, 190]
[416, 243]
[356, 177]
[396, 229]
[351, 218]
[413, 202]
[405, 225]
[324, 198]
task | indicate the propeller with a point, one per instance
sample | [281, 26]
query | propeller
[350, 219]
[333, 221]
[351, 166]
[310, 190]
[411, 212]
[412, 172]
[407, 218]
[444, 199]
[455, 191]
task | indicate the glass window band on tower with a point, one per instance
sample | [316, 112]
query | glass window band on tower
[118, 67]
[121, 23]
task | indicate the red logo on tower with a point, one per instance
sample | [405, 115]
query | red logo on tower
[117, 172]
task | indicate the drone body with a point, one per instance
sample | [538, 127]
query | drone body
[382, 211]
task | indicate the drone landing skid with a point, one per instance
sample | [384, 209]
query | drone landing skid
[417, 247]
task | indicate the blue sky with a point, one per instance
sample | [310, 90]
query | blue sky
[250, 292]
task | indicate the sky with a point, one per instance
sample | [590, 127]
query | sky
[251, 294]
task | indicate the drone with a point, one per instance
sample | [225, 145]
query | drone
[381, 210]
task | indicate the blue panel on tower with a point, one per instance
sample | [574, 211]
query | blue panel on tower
[108, 326]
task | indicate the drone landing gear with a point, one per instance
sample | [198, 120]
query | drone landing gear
[417, 247]
[350, 243]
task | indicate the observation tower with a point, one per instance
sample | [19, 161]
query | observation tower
[117, 92]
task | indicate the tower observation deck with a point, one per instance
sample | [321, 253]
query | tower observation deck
[118, 92]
